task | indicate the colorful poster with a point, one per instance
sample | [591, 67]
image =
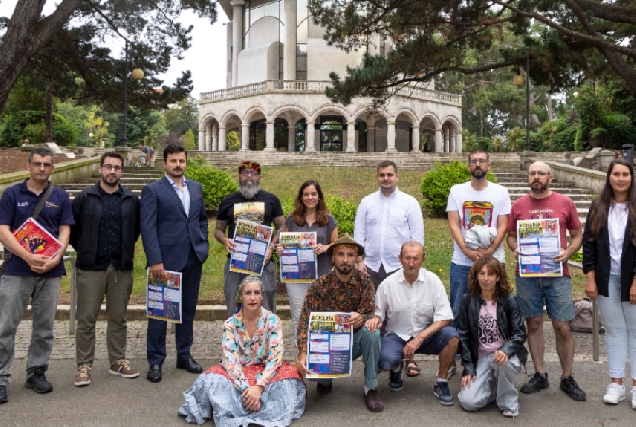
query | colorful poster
[298, 262]
[477, 213]
[539, 243]
[329, 345]
[163, 297]
[251, 242]
[35, 239]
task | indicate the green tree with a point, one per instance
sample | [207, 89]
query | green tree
[183, 116]
[232, 141]
[188, 140]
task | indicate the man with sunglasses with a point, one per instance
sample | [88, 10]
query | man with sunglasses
[475, 202]
[104, 235]
[252, 204]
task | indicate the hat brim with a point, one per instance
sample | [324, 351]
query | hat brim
[329, 251]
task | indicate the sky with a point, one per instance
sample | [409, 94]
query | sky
[206, 58]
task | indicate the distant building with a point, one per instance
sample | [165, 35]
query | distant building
[277, 70]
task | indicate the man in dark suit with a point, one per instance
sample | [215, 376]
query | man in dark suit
[174, 230]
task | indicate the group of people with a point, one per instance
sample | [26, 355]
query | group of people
[398, 308]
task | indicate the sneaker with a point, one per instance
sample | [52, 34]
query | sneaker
[83, 377]
[634, 397]
[123, 369]
[395, 380]
[615, 393]
[451, 371]
[571, 388]
[537, 383]
[510, 413]
[443, 394]
[4, 397]
[37, 381]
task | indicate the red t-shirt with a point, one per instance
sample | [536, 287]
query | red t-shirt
[554, 206]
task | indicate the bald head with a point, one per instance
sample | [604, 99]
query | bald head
[411, 245]
[539, 165]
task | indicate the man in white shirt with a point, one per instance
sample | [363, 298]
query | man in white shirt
[418, 315]
[386, 219]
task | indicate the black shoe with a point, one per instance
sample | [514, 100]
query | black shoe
[37, 381]
[536, 383]
[189, 365]
[154, 373]
[4, 398]
[395, 380]
[571, 388]
[324, 389]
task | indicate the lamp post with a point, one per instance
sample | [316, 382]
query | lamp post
[137, 74]
[518, 81]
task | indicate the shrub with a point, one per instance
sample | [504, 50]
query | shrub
[437, 182]
[30, 125]
[343, 212]
[216, 183]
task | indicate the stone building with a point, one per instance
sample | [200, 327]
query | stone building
[277, 71]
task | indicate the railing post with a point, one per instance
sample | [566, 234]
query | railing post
[594, 331]
[73, 304]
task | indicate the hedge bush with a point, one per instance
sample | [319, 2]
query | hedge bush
[437, 182]
[30, 124]
[216, 183]
[343, 212]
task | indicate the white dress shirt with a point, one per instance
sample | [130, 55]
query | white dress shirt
[383, 224]
[412, 308]
[184, 195]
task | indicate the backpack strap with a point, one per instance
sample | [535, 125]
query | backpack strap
[43, 200]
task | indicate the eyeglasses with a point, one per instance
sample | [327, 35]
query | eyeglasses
[540, 173]
[478, 161]
[40, 164]
[112, 167]
[246, 172]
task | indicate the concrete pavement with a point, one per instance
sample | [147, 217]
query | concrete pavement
[113, 401]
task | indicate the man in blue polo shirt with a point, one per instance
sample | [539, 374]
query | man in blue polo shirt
[31, 277]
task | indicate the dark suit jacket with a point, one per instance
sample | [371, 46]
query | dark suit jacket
[596, 257]
[166, 231]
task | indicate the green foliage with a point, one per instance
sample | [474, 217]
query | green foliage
[216, 183]
[183, 117]
[232, 141]
[188, 140]
[437, 182]
[30, 125]
[343, 212]
[557, 135]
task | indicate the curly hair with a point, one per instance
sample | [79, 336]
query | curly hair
[502, 287]
[298, 214]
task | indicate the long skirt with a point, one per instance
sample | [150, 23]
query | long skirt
[213, 395]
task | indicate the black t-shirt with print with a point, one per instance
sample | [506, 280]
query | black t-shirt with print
[261, 209]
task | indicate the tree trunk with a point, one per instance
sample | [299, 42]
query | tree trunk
[48, 120]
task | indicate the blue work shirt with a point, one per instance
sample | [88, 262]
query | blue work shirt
[18, 204]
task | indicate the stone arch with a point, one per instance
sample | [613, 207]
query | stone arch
[405, 111]
[452, 133]
[228, 115]
[367, 110]
[431, 117]
[249, 114]
[203, 121]
[454, 121]
[327, 108]
[289, 107]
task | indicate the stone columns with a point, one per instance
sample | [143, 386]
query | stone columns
[289, 51]
[291, 138]
[415, 135]
[245, 137]
[215, 141]
[201, 140]
[371, 139]
[351, 137]
[446, 141]
[458, 142]
[439, 141]
[452, 141]
[390, 137]
[222, 139]
[237, 36]
[310, 137]
[208, 140]
[269, 137]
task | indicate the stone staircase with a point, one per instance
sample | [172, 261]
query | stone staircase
[134, 179]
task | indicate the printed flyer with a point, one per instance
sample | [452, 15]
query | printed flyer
[298, 262]
[329, 345]
[35, 239]
[251, 241]
[163, 297]
[539, 242]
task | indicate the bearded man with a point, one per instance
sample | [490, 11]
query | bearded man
[252, 204]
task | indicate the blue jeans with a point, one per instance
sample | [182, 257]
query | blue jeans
[458, 287]
[619, 319]
[556, 291]
[367, 345]
[392, 351]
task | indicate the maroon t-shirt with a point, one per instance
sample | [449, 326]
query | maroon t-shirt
[554, 206]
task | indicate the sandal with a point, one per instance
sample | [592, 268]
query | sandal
[412, 370]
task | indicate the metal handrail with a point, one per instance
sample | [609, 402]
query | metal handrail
[595, 331]
[73, 304]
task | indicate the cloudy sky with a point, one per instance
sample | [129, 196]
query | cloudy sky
[205, 59]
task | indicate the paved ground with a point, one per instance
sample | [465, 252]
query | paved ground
[112, 401]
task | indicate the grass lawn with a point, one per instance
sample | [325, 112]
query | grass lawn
[352, 184]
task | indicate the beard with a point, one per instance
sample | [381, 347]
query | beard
[478, 173]
[344, 270]
[537, 187]
[249, 189]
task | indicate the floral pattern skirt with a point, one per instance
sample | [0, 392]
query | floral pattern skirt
[213, 395]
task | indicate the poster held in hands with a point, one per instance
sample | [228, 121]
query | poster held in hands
[329, 345]
[251, 242]
[539, 242]
[298, 262]
[36, 239]
[163, 297]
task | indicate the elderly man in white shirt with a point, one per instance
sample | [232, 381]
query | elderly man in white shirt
[418, 316]
[384, 220]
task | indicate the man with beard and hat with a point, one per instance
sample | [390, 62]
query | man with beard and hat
[345, 289]
[104, 235]
[554, 292]
[252, 204]
[475, 202]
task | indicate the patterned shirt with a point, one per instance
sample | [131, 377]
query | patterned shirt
[328, 293]
[109, 230]
[266, 346]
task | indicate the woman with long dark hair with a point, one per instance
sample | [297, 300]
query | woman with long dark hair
[609, 264]
[310, 214]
